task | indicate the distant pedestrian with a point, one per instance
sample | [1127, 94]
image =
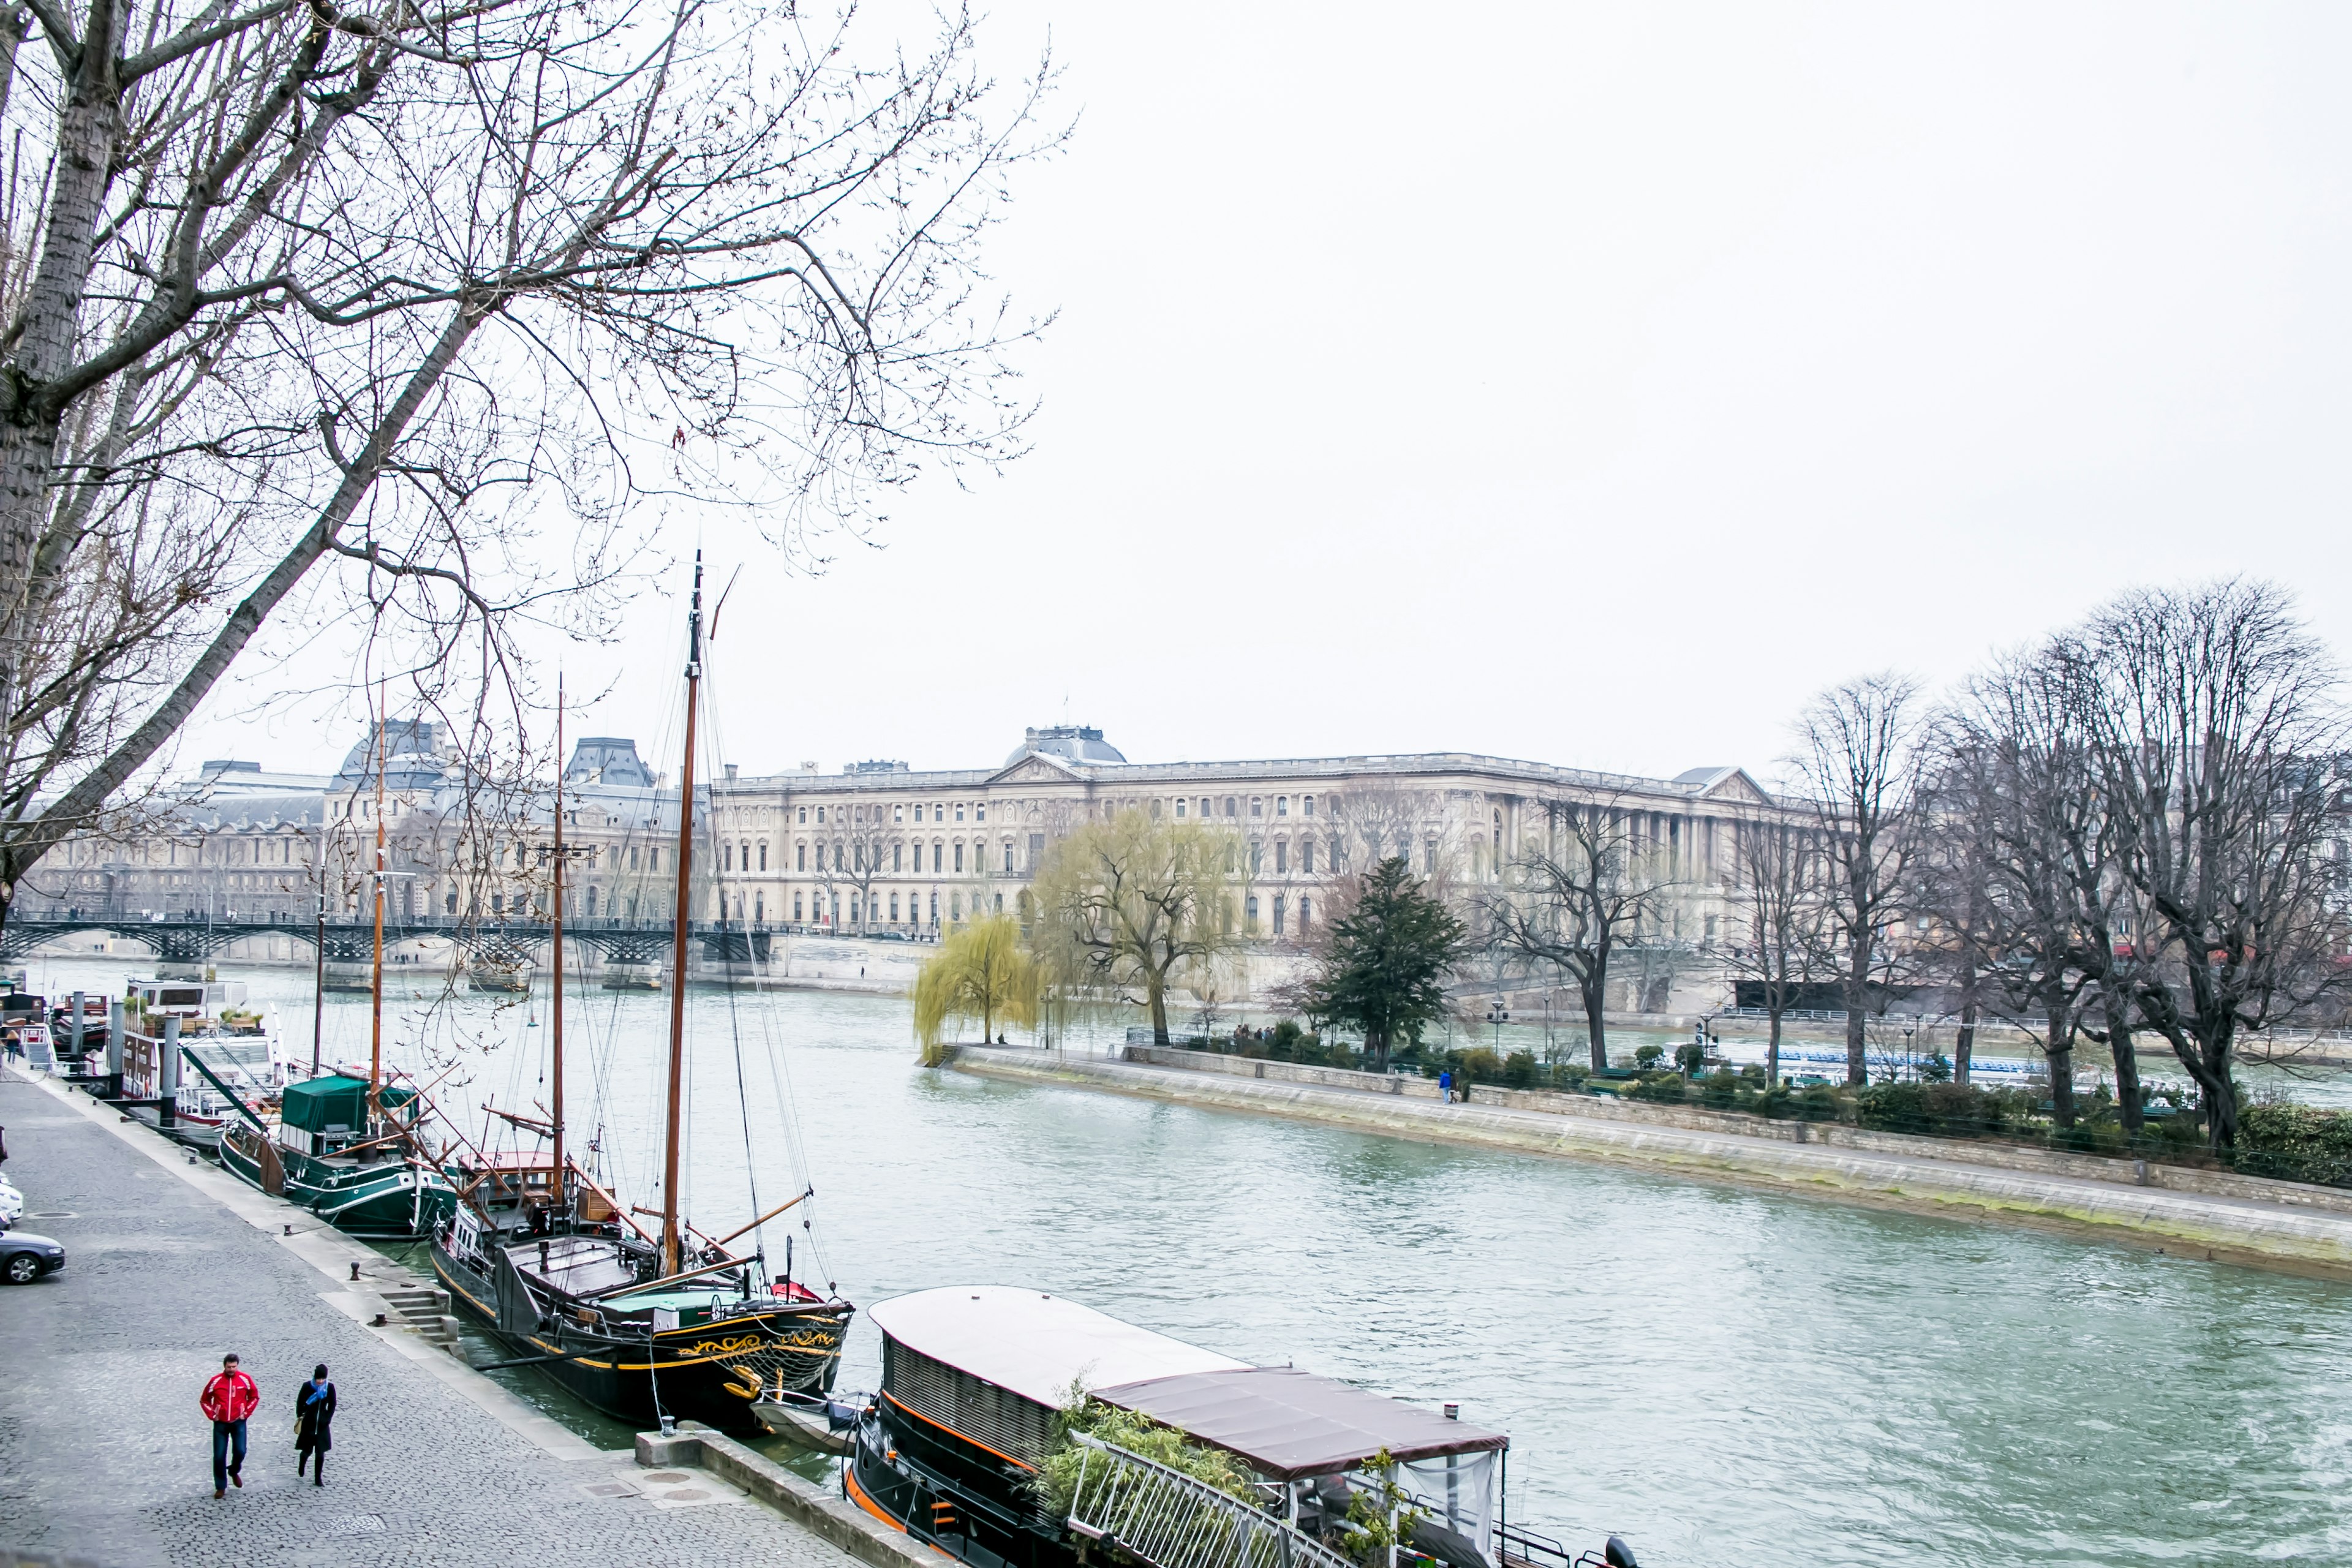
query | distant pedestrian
[228, 1399]
[314, 1420]
[1445, 1087]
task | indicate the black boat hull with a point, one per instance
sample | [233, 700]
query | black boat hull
[950, 1492]
[711, 1372]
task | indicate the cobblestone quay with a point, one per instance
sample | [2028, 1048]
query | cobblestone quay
[105, 1457]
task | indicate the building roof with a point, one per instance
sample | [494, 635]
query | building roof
[412, 756]
[1036, 1344]
[1287, 1424]
[1077, 742]
[607, 759]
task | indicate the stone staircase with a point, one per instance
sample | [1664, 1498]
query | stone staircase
[426, 1311]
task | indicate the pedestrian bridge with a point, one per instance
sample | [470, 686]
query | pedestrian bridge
[494, 939]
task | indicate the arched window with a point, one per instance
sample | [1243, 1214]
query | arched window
[1306, 861]
[1306, 915]
[727, 856]
[763, 854]
[1249, 912]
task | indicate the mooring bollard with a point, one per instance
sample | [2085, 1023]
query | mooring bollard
[114, 1016]
[289, 1230]
[167, 1074]
[355, 1270]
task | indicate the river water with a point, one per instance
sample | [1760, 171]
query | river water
[1728, 1379]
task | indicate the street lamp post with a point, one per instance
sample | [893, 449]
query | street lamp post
[1498, 1017]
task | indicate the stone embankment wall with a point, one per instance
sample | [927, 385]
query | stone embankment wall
[1961, 1150]
[2272, 1224]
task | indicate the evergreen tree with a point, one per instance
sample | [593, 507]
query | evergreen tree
[1383, 969]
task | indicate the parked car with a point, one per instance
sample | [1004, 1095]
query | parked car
[24, 1258]
[12, 1202]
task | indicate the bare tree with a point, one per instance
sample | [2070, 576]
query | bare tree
[1855, 754]
[1132, 907]
[380, 286]
[1780, 918]
[1573, 899]
[2216, 735]
[2009, 790]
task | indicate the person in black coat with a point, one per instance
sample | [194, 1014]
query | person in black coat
[314, 1418]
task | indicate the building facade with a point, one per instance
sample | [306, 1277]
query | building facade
[876, 848]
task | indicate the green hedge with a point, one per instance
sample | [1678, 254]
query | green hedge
[2296, 1144]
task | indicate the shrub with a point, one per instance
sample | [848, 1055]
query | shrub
[1819, 1102]
[1519, 1070]
[1573, 1076]
[1664, 1087]
[1480, 1065]
[2294, 1143]
[1720, 1088]
[1056, 1479]
[1648, 1056]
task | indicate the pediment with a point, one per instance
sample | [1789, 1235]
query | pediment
[1734, 785]
[1036, 768]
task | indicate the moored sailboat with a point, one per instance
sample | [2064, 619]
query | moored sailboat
[647, 1326]
[350, 1149]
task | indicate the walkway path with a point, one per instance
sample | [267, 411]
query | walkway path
[103, 1454]
[2278, 1235]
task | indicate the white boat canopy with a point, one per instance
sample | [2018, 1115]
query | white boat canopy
[1034, 1344]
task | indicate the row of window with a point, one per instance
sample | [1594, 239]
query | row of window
[859, 814]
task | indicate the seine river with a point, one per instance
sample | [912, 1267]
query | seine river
[1731, 1380]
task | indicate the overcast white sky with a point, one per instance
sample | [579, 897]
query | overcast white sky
[1586, 384]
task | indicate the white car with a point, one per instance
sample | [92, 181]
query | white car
[12, 1202]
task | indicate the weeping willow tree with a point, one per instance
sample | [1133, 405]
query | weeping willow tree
[979, 972]
[1129, 907]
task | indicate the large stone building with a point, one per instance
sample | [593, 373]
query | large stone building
[878, 846]
[874, 848]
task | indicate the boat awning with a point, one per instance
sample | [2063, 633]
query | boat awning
[1285, 1424]
[315, 1104]
[1034, 1344]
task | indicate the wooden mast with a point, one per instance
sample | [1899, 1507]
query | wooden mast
[670, 1247]
[561, 1186]
[375, 985]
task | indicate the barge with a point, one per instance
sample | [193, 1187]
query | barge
[970, 1444]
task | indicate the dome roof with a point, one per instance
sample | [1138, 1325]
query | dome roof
[1073, 742]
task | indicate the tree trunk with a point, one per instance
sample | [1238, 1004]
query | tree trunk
[1596, 1031]
[2119, 1041]
[2059, 1049]
[1964, 1044]
[1156, 988]
[1772, 1051]
[1857, 1013]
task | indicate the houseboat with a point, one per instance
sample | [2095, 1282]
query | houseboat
[978, 1382]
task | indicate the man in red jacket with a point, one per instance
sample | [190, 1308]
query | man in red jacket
[228, 1399]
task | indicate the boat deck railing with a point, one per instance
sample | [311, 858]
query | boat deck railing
[1168, 1519]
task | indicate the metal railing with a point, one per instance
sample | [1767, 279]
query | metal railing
[1168, 1519]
